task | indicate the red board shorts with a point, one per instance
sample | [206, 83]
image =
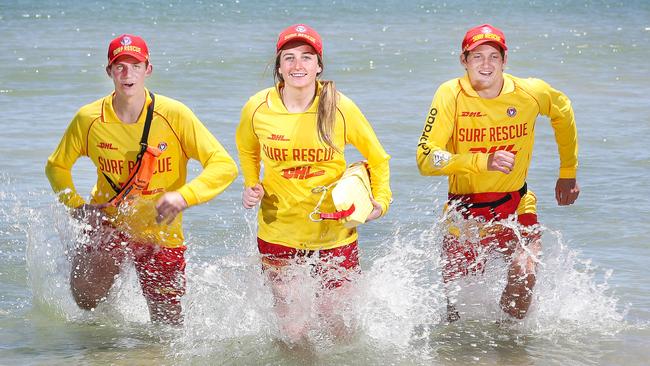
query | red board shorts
[161, 270]
[461, 258]
[334, 266]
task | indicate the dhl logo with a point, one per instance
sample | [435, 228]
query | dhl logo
[106, 146]
[278, 137]
[472, 114]
[301, 172]
[493, 149]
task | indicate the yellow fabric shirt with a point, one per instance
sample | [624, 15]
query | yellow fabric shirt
[295, 162]
[462, 129]
[97, 132]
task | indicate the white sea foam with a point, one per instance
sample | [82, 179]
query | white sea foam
[398, 305]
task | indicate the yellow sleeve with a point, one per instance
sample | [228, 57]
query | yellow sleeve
[248, 145]
[557, 107]
[435, 154]
[219, 169]
[360, 134]
[59, 165]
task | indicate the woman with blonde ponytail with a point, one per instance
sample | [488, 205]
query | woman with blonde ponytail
[299, 130]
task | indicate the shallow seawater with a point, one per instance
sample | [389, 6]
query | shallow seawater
[592, 299]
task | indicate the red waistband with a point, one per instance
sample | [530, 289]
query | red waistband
[488, 205]
[486, 199]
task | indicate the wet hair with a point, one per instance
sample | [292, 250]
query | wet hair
[327, 104]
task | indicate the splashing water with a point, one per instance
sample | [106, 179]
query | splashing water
[397, 310]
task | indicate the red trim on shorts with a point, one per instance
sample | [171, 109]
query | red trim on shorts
[488, 205]
[161, 270]
[461, 259]
[527, 219]
[329, 266]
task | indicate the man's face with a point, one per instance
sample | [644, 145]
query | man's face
[484, 65]
[128, 75]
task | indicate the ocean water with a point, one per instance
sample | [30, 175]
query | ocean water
[592, 301]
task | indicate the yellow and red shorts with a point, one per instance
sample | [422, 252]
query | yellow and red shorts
[468, 255]
[333, 266]
[161, 270]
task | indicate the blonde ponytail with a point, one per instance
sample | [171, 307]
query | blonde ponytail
[327, 113]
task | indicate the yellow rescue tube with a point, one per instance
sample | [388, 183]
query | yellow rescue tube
[353, 189]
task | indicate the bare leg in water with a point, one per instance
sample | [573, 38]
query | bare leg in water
[165, 312]
[96, 263]
[291, 307]
[336, 308]
[452, 313]
[92, 276]
[518, 293]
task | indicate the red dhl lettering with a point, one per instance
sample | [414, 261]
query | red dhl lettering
[106, 145]
[146, 191]
[301, 172]
[278, 137]
[472, 114]
[493, 149]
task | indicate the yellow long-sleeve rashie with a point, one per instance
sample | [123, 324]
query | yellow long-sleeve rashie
[97, 132]
[295, 162]
[462, 129]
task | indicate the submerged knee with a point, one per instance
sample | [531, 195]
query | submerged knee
[86, 302]
[518, 295]
[86, 294]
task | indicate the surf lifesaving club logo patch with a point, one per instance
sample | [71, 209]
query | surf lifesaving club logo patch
[162, 146]
[511, 112]
[126, 41]
[300, 29]
[126, 46]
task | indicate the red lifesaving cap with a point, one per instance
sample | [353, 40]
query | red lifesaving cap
[483, 34]
[128, 44]
[303, 33]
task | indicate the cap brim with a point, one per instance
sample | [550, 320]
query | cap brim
[484, 41]
[138, 56]
[299, 39]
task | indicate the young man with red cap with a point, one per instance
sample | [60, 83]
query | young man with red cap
[480, 133]
[299, 129]
[140, 143]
